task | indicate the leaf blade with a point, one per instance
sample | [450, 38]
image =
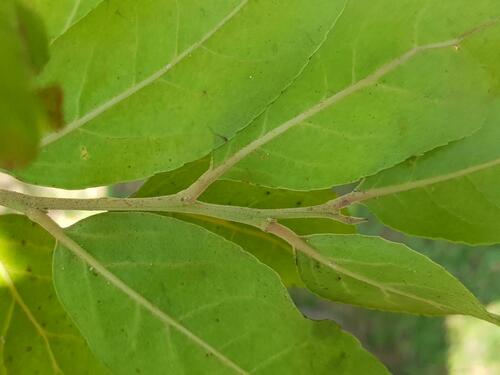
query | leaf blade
[305, 125]
[150, 85]
[61, 16]
[269, 249]
[37, 335]
[375, 273]
[450, 193]
[202, 303]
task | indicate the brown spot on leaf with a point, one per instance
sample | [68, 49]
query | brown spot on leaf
[52, 99]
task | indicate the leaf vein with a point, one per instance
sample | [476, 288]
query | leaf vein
[77, 123]
[39, 329]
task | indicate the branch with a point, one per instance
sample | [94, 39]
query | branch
[175, 204]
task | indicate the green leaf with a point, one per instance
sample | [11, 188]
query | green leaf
[37, 336]
[451, 193]
[375, 273]
[22, 115]
[172, 182]
[60, 15]
[170, 297]
[33, 35]
[268, 248]
[392, 80]
[151, 87]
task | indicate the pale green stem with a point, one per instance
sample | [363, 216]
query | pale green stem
[172, 203]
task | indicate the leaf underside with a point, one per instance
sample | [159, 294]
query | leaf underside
[269, 249]
[375, 273]
[451, 193]
[379, 90]
[37, 334]
[300, 96]
[178, 313]
[156, 103]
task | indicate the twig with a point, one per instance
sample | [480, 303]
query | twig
[175, 204]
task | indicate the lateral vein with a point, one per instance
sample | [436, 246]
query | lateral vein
[361, 196]
[47, 223]
[213, 174]
[40, 330]
[300, 245]
[142, 84]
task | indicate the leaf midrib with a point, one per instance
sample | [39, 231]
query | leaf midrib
[303, 246]
[135, 296]
[383, 288]
[16, 297]
[144, 83]
[423, 183]
[71, 17]
[310, 251]
[328, 102]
